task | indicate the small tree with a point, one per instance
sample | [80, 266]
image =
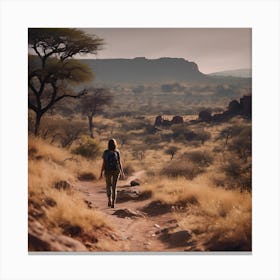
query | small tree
[52, 73]
[172, 150]
[94, 103]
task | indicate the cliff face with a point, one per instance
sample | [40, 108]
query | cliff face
[142, 70]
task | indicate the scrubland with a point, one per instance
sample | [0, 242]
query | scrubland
[201, 170]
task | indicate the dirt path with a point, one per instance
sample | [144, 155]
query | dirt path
[136, 231]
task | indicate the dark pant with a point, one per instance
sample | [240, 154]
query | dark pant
[111, 184]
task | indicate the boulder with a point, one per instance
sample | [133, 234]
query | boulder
[205, 116]
[234, 107]
[246, 105]
[158, 121]
[177, 120]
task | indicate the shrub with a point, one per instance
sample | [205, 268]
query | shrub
[202, 158]
[241, 144]
[239, 175]
[202, 135]
[172, 150]
[88, 148]
[86, 176]
[181, 168]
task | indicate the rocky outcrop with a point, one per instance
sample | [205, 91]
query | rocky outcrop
[160, 121]
[177, 120]
[40, 239]
[235, 108]
[205, 116]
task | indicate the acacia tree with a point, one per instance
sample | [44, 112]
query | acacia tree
[52, 71]
[94, 103]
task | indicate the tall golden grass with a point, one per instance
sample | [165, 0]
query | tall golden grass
[220, 219]
[47, 166]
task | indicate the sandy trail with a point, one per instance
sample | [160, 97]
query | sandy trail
[139, 233]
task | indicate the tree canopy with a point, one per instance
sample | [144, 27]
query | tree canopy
[53, 73]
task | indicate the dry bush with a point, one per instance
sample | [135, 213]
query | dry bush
[171, 150]
[88, 148]
[133, 124]
[63, 131]
[200, 157]
[181, 168]
[239, 174]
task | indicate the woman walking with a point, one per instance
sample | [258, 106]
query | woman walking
[113, 170]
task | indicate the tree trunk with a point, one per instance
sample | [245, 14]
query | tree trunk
[37, 123]
[90, 123]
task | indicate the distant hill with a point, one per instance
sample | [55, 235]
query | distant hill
[142, 70]
[241, 73]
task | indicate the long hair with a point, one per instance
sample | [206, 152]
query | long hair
[112, 144]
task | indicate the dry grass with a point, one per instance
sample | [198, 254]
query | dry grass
[47, 166]
[221, 219]
[71, 210]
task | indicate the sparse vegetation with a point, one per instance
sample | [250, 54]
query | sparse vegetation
[198, 171]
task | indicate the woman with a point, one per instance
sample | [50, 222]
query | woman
[113, 169]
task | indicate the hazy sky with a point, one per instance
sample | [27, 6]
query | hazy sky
[213, 49]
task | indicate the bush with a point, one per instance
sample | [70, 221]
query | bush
[202, 135]
[239, 175]
[183, 132]
[172, 150]
[88, 148]
[181, 168]
[241, 144]
[201, 158]
[86, 176]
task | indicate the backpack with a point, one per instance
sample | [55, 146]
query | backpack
[112, 161]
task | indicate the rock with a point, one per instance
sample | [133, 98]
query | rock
[123, 213]
[175, 239]
[156, 208]
[179, 238]
[205, 116]
[156, 225]
[246, 105]
[134, 183]
[40, 239]
[234, 107]
[158, 121]
[124, 195]
[177, 120]
[166, 123]
[62, 185]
